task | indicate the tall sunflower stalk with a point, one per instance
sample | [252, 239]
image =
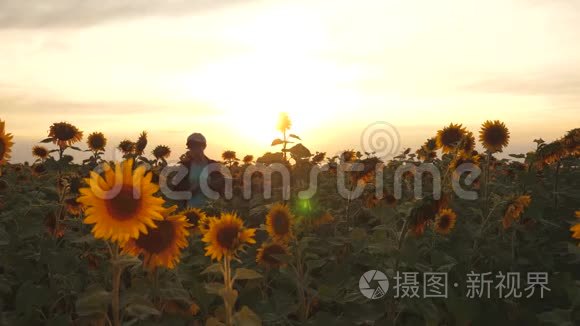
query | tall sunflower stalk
[224, 237]
[228, 294]
[284, 124]
[117, 271]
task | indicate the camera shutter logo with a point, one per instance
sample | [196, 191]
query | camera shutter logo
[381, 284]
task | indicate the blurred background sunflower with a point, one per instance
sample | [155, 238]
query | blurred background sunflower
[279, 223]
[445, 221]
[120, 214]
[126, 147]
[141, 143]
[515, 209]
[194, 216]
[449, 137]
[40, 152]
[5, 144]
[494, 135]
[161, 152]
[96, 141]
[161, 245]
[64, 134]
[268, 254]
[226, 236]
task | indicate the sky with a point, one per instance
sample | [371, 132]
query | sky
[227, 68]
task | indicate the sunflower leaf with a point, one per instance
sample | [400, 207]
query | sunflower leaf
[277, 141]
[247, 317]
[246, 274]
[47, 140]
[214, 268]
[127, 261]
[294, 136]
[75, 148]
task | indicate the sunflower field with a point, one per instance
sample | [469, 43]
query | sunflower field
[92, 242]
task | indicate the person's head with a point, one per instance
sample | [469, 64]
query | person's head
[196, 143]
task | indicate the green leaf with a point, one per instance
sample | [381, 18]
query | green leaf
[246, 317]
[213, 268]
[214, 288]
[246, 274]
[212, 321]
[277, 141]
[75, 148]
[126, 261]
[294, 136]
[94, 301]
[142, 310]
[47, 140]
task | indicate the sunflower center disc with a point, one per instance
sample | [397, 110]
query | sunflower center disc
[281, 224]
[495, 136]
[192, 218]
[64, 133]
[451, 137]
[444, 222]
[270, 251]
[227, 236]
[159, 239]
[124, 205]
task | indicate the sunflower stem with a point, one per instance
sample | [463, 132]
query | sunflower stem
[486, 189]
[228, 290]
[117, 271]
[556, 184]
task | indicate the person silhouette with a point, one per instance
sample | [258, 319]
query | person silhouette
[196, 162]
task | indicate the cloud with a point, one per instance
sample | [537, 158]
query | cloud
[552, 84]
[77, 13]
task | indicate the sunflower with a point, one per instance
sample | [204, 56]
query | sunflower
[64, 134]
[141, 143]
[204, 223]
[449, 137]
[494, 135]
[550, 153]
[467, 144]
[161, 152]
[226, 236]
[431, 145]
[122, 203]
[279, 223]
[348, 156]
[318, 157]
[248, 159]
[96, 141]
[424, 214]
[445, 221]
[40, 151]
[576, 228]
[515, 209]
[5, 144]
[162, 244]
[126, 147]
[73, 207]
[571, 142]
[229, 156]
[38, 169]
[266, 254]
[461, 159]
[284, 122]
[194, 216]
[323, 219]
